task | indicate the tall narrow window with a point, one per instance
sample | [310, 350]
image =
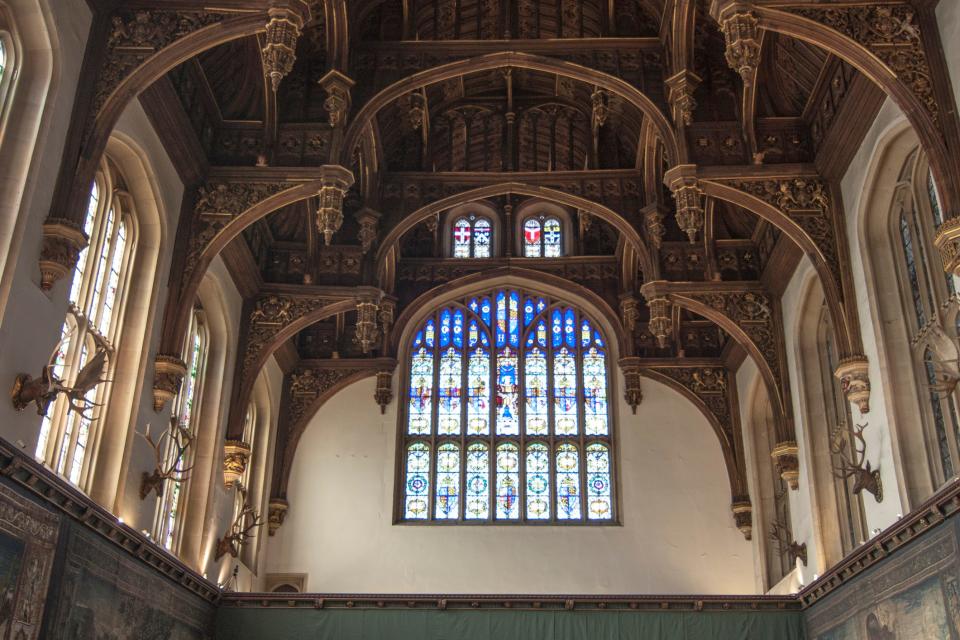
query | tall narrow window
[542, 237]
[3, 61]
[170, 506]
[472, 237]
[90, 332]
[518, 428]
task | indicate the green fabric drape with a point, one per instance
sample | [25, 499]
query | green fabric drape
[338, 624]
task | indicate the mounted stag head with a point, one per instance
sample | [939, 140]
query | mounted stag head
[240, 531]
[45, 389]
[177, 440]
[852, 463]
[781, 534]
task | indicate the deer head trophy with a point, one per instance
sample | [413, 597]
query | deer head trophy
[852, 463]
[783, 537]
[176, 440]
[241, 530]
[44, 389]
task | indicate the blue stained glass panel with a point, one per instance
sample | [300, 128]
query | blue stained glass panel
[485, 310]
[421, 393]
[585, 333]
[541, 305]
[595, 393]
[599, 501]
[447, 504]
[535, 390]
[570, 328]
[477, 506]
[508, 394]
[445, 328]
[508, 482]
[514, 324]
[429, 333]
[529, 312]
[501, 319]
[568, 483]
[418, 482]
[538, 482]
[458, 329]
[478, 392]
[556, 328]
[448, 414]
[564, 393]
[474, 305]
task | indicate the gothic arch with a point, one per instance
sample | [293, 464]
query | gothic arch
[366, 115]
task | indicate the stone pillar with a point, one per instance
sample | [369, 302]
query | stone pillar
[168, 373]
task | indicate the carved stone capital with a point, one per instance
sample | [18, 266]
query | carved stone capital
[788, 464]
[383, 394]
[368, 220]
[948, 244]
[168, 373]
[337, 104]
[236, 455]
[63, 240]
[854, 376]
[632, 391]
[742, 35]
[277, 514]
[685, 185]
[743, 516]
[680, 89]
[335, 182]
[280, 44]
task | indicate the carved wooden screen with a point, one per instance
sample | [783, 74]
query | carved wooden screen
[507, 417]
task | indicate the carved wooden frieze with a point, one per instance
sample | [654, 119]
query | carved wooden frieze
[136, 34]
[272, 312]
[309, 383]
[709, 385]
[891, 32]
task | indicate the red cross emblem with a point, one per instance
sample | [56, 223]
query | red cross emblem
[462, 235]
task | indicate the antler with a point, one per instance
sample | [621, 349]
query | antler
[176, 440]
[241, 530]
[781, 534]
[854, 463]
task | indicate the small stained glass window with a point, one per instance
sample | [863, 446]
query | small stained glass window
[507, 418]
[542, 237]
[472, 237]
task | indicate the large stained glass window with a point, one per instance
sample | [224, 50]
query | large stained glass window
[507, 419]
[542, 237]
[472, 236]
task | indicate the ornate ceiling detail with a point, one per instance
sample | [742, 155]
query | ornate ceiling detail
[709, 385]
[271, 313]
[280, 45]
[308, 384]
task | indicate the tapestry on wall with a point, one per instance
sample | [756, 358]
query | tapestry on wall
[28, 541]
[915, 594]
[107, 595]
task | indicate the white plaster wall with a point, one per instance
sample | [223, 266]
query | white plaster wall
[881, 446]
[678, 534]
[948, 17]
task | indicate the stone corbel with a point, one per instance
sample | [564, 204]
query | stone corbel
[629, 311]
[337, 104]
[280, 44]
[277, 514]
[660, 325]
[168, 373]
[685, 185]
[236, 456]
[854, 376]
[368, 220]
[743, 516]
[336, 180]
[742, 35]
[383, 394]
[653, 219]
[632, 391]
[63, 240]
[948, 244]
[680, 89]
[785, 454]
[367, 330]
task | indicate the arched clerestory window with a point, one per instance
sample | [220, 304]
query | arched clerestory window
[472, 236]
[542, 237]
[168, 521]
[928, 296]
[93, 323]
[507, 419]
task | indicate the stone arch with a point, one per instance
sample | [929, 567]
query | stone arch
[628, 232]
[366, 115]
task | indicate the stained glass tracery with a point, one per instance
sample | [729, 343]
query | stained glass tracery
[507, 417]
[542, 237]
[472, 237]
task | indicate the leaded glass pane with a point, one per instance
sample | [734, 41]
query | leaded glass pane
[478, 383]
[535, 380]
[906, 239]
[552, 238]
[565, 393]
[448, 420]
[538, 482]
[421, 389]
[448, 482]
[113, 283]
[481, 238]
[461, 238]
[508, 419]
[418, 481]
[531, 239]
[599, 502]
[508, 482]
[939, 421]
[93, 206]
[568, 483]
[594, 392]
[478, 482]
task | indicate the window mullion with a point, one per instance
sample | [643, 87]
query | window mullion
[551, 425]
[582, 419]
[433, 474]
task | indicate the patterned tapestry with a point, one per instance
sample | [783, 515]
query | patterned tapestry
[107, 595]
[28, 541]
[913, 594]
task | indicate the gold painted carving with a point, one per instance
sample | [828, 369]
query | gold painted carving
[367, 332]
[383, 394]
[688, 195]
[788, 464]
[742, 35]
[277, 514]
[337, 103]
[948, 244]
[680, 89]
[236, 456]
[632, 390]
[280, 44]
[168, 373]
[743, 516]
[854, 376]
[63, 240]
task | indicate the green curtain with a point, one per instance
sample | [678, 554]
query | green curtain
[338, 624]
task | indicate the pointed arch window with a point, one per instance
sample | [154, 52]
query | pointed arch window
[92, 325]
[3, 60]
[506, 417]
[472, 237]
[542, 237]
[169, 516]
